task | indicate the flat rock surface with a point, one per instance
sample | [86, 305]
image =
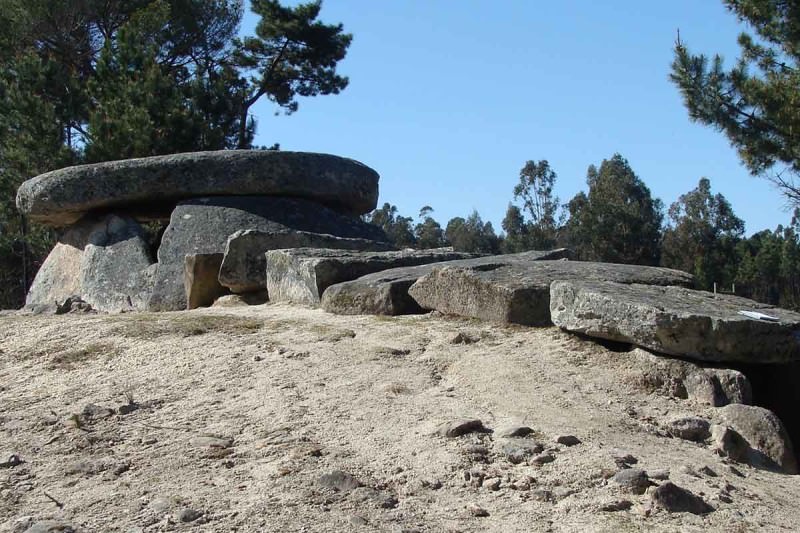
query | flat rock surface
[203, 225]
[386, 292]
[512, 289]
[150, 187]
[244, 266]
[677, 321]
[361, 395]
[301, 275]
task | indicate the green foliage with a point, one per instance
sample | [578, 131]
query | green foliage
[535, 189]
[291, 55]
[769, 266]
[701, 237]
[472, 235]
[618, 221]
[99, 80]
[428, 233]
[756, 103]
[397, 228]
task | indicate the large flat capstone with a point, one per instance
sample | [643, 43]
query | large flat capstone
[106, 261]
[677, 321]
[301, 275]
[203, 225]
[515, 290]
[149, 188]
[244, 266]
[386, 292]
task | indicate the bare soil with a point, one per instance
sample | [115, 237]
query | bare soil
[291, 395]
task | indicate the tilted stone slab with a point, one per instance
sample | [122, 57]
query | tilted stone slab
[202, 226]
[150, 187]
[106, 261]
[244, 267]
[518, 292]
[301, 275]
[672, 320]
[201, 280]
[386, 292]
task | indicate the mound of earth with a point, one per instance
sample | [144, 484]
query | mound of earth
[281, 418]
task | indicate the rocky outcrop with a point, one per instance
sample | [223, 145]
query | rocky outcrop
[386, 292]
[301, 275]
[515, 290]
[677, 321]
[203, 225]
[150, 187]
[764, 433]
[106, 261]
[244, 267]
[200, 280]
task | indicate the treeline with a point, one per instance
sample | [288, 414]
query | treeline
[98, 80]
[617, 220]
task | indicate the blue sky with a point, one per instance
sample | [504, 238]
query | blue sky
[448, 99]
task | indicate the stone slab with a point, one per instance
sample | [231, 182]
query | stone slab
[202, 226]
[244, 266]
[106, 261]
[301, 275]
[386, 292]
[200, 280]
[150, 187]
[677, 321]
[517, 291]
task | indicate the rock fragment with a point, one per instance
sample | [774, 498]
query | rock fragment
[675, 499]
[633, 480]
[339, 481]
[460, 427]
[690, 428]
[765, 434]
[200, 279]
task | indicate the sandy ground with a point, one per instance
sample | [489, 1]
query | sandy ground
[294, 394]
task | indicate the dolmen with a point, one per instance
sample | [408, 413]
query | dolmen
[103, 254]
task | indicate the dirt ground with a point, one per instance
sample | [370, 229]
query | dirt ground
[280, 418]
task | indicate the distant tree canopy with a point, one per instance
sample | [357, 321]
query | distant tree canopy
[755, 103]
[618, 221]
[701, 237]
[96, 80]
[540, 230]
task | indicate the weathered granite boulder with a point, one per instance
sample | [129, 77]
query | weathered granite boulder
[718, 387]
[200, 280]
[106, 261]
[764, 433]
[202, 226]
[244, 267]
[386, 292]
[516, 291]
[149, 188]
[301, 275]
[677, 321]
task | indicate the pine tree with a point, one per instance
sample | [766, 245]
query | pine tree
[756, 103]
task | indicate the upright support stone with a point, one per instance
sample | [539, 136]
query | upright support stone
[200, 281]
[106, 261]
[203, 225]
